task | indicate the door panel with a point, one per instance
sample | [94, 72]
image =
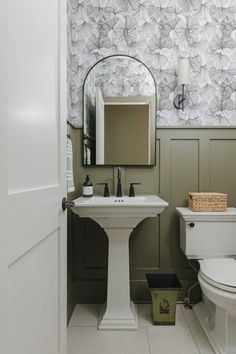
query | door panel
[38, 212]
[36, 152]
[3, 178]
[33, 99]
[33, 295]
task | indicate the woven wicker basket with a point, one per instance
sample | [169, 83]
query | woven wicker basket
[207, 201]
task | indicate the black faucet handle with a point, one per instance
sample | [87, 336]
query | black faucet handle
[106, 189]
[131, 188]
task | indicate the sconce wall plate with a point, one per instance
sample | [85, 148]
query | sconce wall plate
[180, 101]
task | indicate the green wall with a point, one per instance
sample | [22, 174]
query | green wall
[187, 159]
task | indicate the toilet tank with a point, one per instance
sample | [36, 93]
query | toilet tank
[208, 234]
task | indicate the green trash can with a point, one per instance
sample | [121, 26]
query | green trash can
[165, 289]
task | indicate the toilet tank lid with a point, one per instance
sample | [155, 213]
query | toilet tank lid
[189, 215]
[221, 271]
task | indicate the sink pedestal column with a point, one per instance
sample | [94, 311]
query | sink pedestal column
[119, 312]
[118, 217]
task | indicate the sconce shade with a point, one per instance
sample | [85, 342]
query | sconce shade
[183, 71]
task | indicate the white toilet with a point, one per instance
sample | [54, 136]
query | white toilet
[210, 237]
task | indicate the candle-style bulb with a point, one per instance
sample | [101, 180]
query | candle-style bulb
[183, 71]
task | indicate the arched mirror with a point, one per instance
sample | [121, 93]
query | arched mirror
[119, 113]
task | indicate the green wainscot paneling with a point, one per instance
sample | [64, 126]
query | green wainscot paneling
[187, 160]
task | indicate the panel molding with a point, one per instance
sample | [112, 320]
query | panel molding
[154, 245]
[34, 285]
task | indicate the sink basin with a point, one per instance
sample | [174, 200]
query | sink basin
[140, 206]
[118, 217]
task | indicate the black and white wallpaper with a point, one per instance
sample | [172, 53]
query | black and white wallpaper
[120, 76]
[157, 32]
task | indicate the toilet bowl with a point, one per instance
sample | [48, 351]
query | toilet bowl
[210, 237]
[217, 278]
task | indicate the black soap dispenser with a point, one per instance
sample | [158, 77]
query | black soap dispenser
[87, 187]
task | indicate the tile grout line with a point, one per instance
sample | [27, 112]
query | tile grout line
[195, 341]
[149, 345]
[82, 325]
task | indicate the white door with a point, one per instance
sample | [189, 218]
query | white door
[100, 126]
[33, 170]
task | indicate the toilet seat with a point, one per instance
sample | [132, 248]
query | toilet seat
[220, 273]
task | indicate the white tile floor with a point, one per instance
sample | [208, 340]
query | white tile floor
[186, 337]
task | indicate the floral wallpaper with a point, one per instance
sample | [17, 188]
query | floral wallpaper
[157, 32]
[120, 76]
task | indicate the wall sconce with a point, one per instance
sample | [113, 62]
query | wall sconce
[180, 100]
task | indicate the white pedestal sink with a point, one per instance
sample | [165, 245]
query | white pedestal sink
[118, 217]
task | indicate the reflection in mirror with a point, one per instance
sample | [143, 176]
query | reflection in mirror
[119, 113]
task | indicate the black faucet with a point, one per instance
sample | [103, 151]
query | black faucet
[119, 188]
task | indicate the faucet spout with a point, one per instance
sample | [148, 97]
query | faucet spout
[119, 187]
